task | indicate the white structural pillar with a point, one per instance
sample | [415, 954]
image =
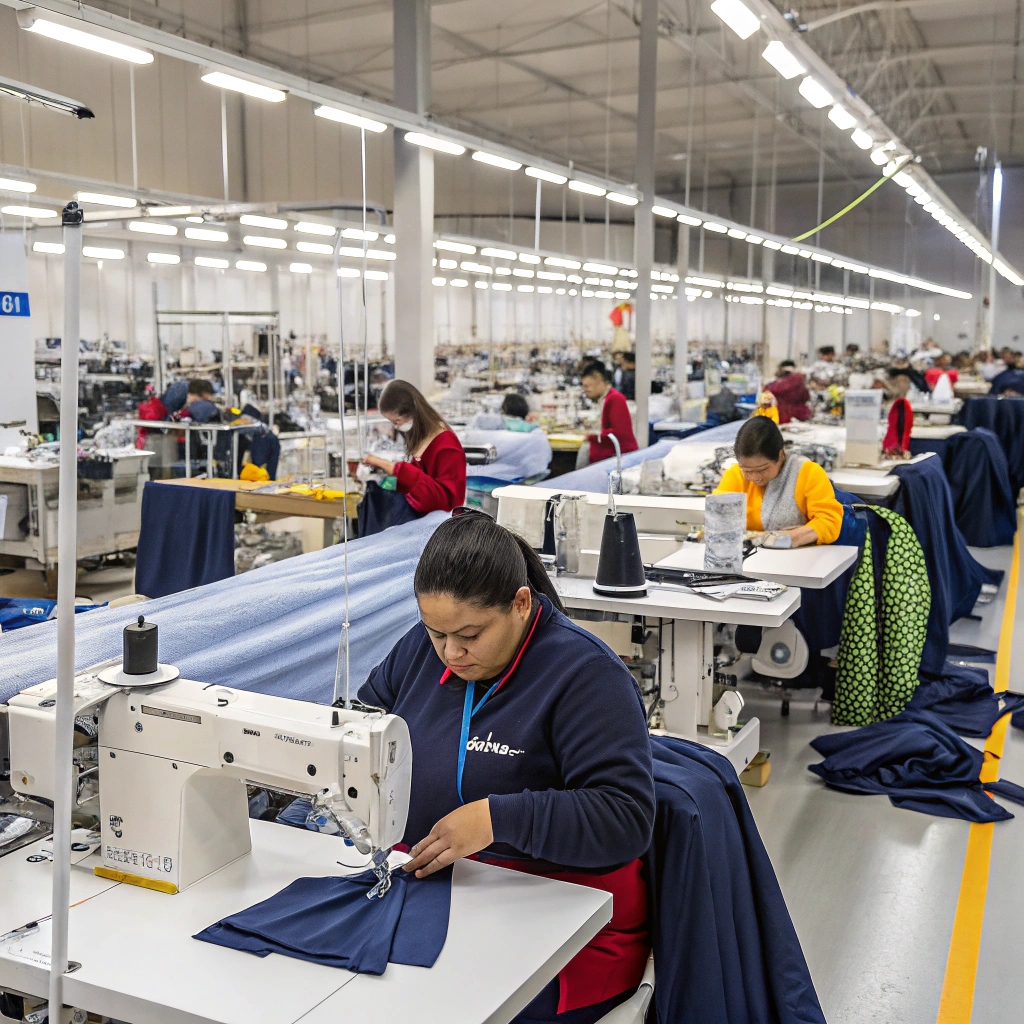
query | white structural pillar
[682, 313]
[414, 202]
[993, 280]
[643, 243]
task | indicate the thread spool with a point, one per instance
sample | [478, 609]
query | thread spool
[140, 648]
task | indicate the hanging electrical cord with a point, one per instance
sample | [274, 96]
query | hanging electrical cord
[846, 209]
[366, 342]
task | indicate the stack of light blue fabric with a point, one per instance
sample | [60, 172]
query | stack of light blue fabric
[521, 454]
[273, 630]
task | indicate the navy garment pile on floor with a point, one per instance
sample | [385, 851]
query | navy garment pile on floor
[963, 700]
[1005, 418]
[956, 577]
[724, 943]
[330, 921]
[919, 762]
[187, 538]
[979, 481]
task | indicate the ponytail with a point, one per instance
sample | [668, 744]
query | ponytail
[473, 559]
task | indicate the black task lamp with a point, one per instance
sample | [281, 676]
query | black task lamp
[620, 569]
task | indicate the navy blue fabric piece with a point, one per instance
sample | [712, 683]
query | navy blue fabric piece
[203, 411]
[1005, 418]
[330, 921]
[956, 578]
[1010, 379]
[962, 698]
[265, 450]
[543, 1009]
[175, 396]
[187, 538]
[560, 750]
[916, 760]
[1006, 789]
[295, 814]
[724, 943]
[380, 509]
[979, 482]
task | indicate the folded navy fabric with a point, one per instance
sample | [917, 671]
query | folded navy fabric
[916, 760]
[330, 921]
[963, 699]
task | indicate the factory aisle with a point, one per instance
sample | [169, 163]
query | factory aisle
[874, 891]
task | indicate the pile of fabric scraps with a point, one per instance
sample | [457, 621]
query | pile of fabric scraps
[330, 921]
[256, 546]
[918, 759]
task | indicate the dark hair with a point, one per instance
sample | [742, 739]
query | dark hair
[515, 405]
[629, 357]
[759, 436]
[400, 398]
[827, 350]
[786, 364]
[853, 347]
[198, 386]
[595, 369]
[473, 559]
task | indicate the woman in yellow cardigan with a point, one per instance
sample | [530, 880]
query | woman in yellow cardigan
[787, 495]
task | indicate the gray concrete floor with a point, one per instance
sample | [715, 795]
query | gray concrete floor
[873, 890]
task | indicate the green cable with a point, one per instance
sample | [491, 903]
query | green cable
[844, 211]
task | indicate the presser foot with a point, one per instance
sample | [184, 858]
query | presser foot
[382, 869]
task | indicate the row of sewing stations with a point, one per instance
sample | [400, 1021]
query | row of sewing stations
[124, 938]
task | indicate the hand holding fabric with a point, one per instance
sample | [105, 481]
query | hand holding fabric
[467, 830]
[379, 463]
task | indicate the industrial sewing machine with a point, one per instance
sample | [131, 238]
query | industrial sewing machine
[173, 761]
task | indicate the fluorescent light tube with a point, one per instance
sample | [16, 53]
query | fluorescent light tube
[496, 161]
[263, 242]
[737, 16]
[501, 254]
[371, 254]
[99, 199]
[459, 282]
[693, 222]
[842, 118]
[251, 265]
[559, 261]
[206, 234]
[782, 60]
[539, 172]
[163, 257]
[377, 275]
[152, 227]
[528, 257]
[321, 248]
[300, 268]
[879, 156]
[861, 139]
[736, 233]
[211, 261]
[624, 200]
[253, 221]
[586, 188]
[344, 117]
[720, 229]
[815, 93]
[13, 185]
[662, 211]
[53, 248]
[448, 246]
[243, 85]
[600, 268]
[86, 40]
[35, 212]
[309, 228]
[433, 142]
[96, 253]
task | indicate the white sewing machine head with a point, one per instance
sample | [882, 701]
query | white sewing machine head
[173, 762]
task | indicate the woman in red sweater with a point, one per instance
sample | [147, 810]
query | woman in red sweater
[434, 477]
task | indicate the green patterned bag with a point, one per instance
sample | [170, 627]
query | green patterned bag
[883, 636]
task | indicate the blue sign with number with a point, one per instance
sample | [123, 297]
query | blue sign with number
[14, 304]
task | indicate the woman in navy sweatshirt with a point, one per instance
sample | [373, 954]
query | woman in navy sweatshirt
[530, 746]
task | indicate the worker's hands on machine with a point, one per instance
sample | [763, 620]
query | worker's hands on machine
[467, 830]
[798, 537]
[379, 463]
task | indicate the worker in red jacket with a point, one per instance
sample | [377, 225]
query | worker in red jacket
[791, 394]
[615, 418]
[433, 479]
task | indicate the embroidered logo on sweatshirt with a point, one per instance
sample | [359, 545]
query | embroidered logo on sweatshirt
[489, 746]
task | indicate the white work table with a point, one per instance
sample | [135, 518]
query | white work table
[509, 934]
[813, 567]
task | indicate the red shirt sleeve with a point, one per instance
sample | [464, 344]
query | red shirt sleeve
[615, 419]
[436, 482]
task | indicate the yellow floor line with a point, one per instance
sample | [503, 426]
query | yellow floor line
[957, 1000]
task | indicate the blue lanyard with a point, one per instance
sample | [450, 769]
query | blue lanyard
[468, 711]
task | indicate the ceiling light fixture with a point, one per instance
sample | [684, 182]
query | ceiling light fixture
[861, 139]
[99, 199]
[692, 222]
[814, 92]
[663, 211]
[214, 262]
[842, 118]
[251, 220]
[344, 117]
[261, 92]
[96, 253]
[497, 161]
[433, 142]
[300, 268]
[501, 254]
[206, 234]
[309, 228]
[49, 100]
[782, 60]
[13, 185]
[737, 16]
[253, 266]
[719, 229]
[320, 248]
[31, 22]
[263, 242]
[33, 212]
[52, 248]
[624, 200]
[169, 258]
[879, 156]
[552, 176]
[600, 268]
[586, 188]
[147, 227]
[449, 246]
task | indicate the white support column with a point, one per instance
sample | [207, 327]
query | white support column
[993, 281]
[682, 313]
[414, 202]
[643, 244]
